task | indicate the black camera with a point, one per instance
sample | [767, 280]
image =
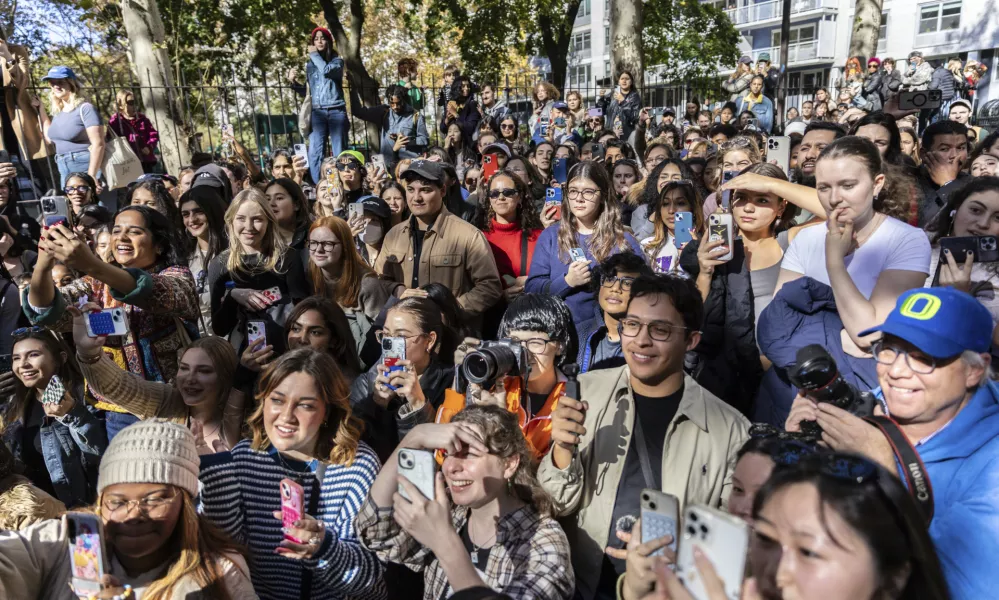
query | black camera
[492, 361]
[817, 377]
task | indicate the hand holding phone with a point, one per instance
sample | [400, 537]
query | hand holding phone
[720, 228]
[419, 468]
[723, 540]
[110, 321]
[683, 225]
[393, 351]
[87, 558]
[292, 507]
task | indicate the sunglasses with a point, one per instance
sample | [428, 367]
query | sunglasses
[345, 166]
[506, 125]
[22, 332]
[507, 193]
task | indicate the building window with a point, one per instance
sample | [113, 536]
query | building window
[607, 71]
[580, 42]
[883, 30]
[940, 16]
[719, 4]
[584, 9]
[579, 76]
[802, 34]
[606, 36]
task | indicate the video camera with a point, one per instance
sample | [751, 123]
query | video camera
[817, 377]
[494, 360]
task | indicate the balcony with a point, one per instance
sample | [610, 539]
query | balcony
[763, 12]
[797, 54]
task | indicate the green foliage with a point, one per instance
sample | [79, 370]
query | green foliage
[688, 41]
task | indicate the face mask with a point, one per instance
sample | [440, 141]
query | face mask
[372, 233]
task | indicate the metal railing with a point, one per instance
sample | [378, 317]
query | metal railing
[798, 53]
[769, 11]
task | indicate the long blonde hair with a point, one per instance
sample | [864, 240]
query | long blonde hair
[199, 548]
[76, 97]
[608, 232]
[274, 246]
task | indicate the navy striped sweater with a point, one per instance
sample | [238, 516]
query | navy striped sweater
[240, 492]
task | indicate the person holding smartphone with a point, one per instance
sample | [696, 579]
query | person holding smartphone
[154, 544]
[662, 248]
[403, 128]
[495, 529]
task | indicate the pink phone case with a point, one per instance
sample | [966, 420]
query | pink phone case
[273, 294]
[292, 502]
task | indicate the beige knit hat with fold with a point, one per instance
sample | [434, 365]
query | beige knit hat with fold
[152, 451]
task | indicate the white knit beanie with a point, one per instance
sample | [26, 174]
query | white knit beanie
[153, 451]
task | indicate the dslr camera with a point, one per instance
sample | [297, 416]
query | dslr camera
[494, 360]
[817, 377]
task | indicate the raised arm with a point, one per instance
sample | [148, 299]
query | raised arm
[798, 195]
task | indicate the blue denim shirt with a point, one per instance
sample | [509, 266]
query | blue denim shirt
[325, 81]
[71, 448]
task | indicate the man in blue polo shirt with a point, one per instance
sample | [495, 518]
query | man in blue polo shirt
[933, 366]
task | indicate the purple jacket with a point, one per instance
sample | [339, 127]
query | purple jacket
[140, 134]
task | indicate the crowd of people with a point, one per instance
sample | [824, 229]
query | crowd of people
[474, 364]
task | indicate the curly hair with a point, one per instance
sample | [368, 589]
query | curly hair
[340, 432]
[504, 439]
[608, 230]
[551, 90]
[527, 211]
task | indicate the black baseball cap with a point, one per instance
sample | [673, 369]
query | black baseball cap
[375, 206]
[424, 169]
[212, 175]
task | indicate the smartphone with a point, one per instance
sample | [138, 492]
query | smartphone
[490, 164]
[726, 196]
[6, 363]
[984, 248]
[419, 467]
[921, 100]
[598, 152]
[560, 122]
[508, 279]
[292, 506]
[256, 330]
[660, 515]
[355, 209]
[779, 151]
[560, 170]
[578, 255]
[85, 534]
[683, 224]
[720, 228]
[393, 350]
[723, 539]
[55, 210]
[553, 196]
[273, 294]
[378, 162]
[228, 132]
[301, 150]
[595, 112]
[4, 156]
[110, 321]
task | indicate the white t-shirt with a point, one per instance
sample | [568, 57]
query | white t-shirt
[894, 246]
[667, 259]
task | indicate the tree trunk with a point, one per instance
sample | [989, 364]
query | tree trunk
[147, 50]
[866, 23]
[349, 46]
[556, 33]
[626, 41]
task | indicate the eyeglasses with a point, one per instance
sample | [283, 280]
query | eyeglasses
[349, 165]
[380, 335]
[921, 363]
[507, 193]
[658, 330]
[587, 195]
[506, 125]
[610, 281]
[152, 505]
[326, 246]
[536, 345]
[83, 189]
[22, 332]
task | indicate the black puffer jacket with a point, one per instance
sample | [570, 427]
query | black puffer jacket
[384, 427]
[727, 360]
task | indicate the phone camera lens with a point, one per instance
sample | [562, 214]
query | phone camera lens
[652, 505]
[691, 530]
[704, 529]
[692, 517]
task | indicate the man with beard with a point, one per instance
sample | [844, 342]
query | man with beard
[818, 135]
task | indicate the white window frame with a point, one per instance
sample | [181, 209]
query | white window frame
[584, 9]
[581, 39]
[795, 37]
[883, 30]
[574, 73]
[937, 21]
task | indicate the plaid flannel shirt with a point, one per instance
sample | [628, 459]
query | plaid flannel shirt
[529, 560]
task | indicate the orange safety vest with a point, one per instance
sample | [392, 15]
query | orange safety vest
[537, 430]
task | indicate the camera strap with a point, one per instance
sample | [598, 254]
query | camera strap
[643, 455]
[917, 480]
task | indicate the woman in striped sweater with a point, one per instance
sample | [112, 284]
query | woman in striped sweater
[302, 430]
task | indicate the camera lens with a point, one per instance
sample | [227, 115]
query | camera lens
[704, 529]
[691, 530]
[652, 505]
[692, 517]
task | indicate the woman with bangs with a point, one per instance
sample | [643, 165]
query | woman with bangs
[203, 216]
[646, 193]
[258, 277]
[589, 231]
[660, 248]
[291, 210]
[304, 430]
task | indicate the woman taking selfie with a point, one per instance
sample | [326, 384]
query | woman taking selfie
[204, 221]
[48, 424]
[337, 272]
[201, 398]
[145, 278]
[157, 546]
[589, 231]
[498, 532]
[391, 402]
[303, 430]
[258, 277]
[291, 210]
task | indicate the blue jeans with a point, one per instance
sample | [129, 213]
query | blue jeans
[114, 422]
[326, 123]
[72, 162]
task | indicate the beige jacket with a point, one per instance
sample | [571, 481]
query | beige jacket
[23, 115]
[699, 456]
[454, 254]
[34, 564]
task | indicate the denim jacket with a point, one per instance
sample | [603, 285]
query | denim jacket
[72, 446]
[325, 81]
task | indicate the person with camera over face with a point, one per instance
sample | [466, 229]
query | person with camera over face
[643, 425]
[933, 366]
[536, 340]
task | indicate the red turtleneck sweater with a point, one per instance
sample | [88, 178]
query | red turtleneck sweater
[505, 241]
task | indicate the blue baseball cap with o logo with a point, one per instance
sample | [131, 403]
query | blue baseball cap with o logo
[942, 322]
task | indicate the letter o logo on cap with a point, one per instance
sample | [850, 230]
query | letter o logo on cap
[925, 311]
